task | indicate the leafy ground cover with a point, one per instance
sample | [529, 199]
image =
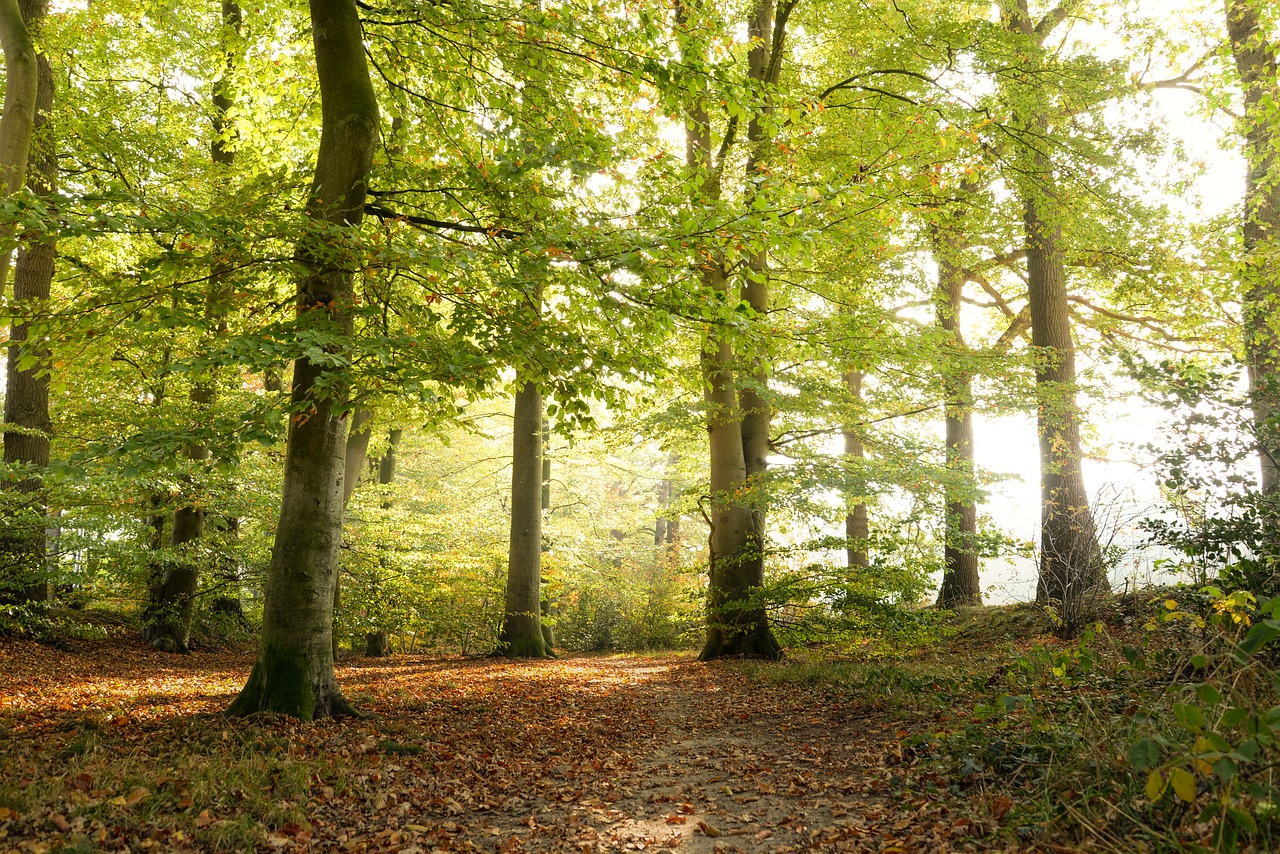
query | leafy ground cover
[108, 745]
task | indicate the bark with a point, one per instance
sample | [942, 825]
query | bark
[857, 527]
[17, 121]
[1256, 62]
[521, 635]
[1070, 560]
[960, 581]
[24, 577]
[737, 421]
[293, 673]
[354, 454]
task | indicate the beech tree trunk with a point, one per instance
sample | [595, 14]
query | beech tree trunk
[1070, 560]
[1256, 60]
[24, 562]
[857, 526]
[293, 673]
[521, 635]
[737, 418]
[17, 122]
[960, 582]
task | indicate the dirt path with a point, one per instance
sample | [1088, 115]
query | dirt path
[586, 754]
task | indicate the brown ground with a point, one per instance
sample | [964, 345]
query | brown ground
[112, 746]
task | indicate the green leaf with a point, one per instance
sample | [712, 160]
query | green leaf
[1188, 716]
[1144, 754]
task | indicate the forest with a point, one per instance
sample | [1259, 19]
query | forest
[602, 425]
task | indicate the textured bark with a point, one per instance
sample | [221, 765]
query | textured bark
[1070, 560]
[293, 673]
[1256, 63]
[857, 527]
[23, 548]
[521, 635]
[737, 419]
[960, 581]
[17, 122]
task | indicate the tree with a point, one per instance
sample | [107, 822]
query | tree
[293, 673]
[172, 597]
[1070, 559]
[521, 635]
[737, 413]
[1257, 62]
[26, 403]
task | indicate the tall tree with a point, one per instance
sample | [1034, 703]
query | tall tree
[1257, 61]
[521, 635]
[26, 401]
[1070, 560]
[172, 597]
[737, 412]
[293, 673]
[960, 582]
[857, 525]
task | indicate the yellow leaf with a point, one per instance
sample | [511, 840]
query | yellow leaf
[1156, 784]
[1184, 785]
[1202, 745]
[1171, 605]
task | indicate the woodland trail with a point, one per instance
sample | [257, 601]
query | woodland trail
[112, 747]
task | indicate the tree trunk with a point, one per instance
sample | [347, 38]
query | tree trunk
[354, 454]
[1070, 560]
[172, 604]
[293, 673]
[26, 402]
[960, 582]
[737, 421]
[1256, 63]
[521, 635]
[17, 122]
[857, 527]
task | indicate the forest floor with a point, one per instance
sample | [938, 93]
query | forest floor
[111, 746]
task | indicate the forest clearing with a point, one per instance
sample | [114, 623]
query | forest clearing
[111, 746]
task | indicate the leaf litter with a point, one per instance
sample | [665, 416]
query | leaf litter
[112, 746]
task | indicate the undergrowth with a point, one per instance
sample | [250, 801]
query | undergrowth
[1156, 728]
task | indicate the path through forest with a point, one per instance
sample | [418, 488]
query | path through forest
[114, 746]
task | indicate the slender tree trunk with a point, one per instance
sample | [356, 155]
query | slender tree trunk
[960, 582]
[1256, 62]
[378, 642]
[354, 454]
[23, 548]
[857, 527]
[521, 635]
[293, 673]
[172, 604]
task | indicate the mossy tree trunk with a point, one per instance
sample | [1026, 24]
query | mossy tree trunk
[293, 673]
[738, 418]
[23, 547]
